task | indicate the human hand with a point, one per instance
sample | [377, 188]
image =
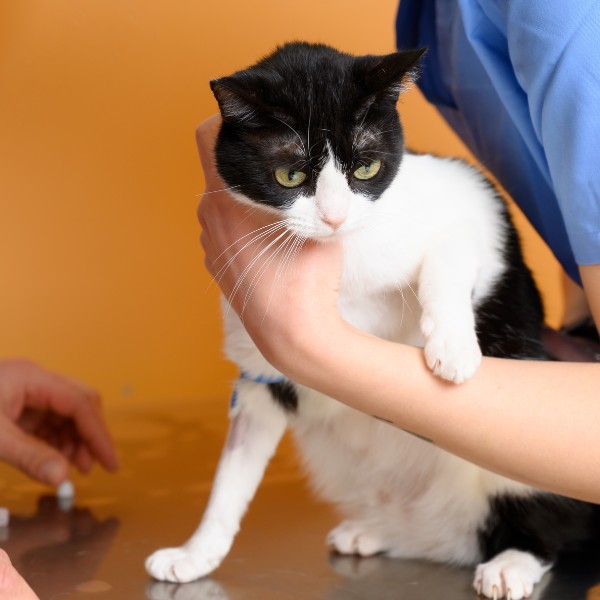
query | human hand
[48, 421]
[284, 304]
[12, 585]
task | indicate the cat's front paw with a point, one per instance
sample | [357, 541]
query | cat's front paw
[511, 574]
[181, 565]
[354, 537]
[452, 354]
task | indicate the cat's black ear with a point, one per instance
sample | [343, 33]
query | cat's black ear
[387, 76]
[238, 101]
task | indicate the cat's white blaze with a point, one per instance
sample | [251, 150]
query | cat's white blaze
[334, 209]
[333, 197]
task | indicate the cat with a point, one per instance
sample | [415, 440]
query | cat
[432, 259]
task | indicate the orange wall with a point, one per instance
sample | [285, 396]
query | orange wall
[101, 272]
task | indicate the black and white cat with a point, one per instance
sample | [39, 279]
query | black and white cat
[314, 135]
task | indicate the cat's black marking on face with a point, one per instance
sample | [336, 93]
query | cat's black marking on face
[303, 105]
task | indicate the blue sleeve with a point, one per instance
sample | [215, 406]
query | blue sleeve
[520, 83]
[555, 51]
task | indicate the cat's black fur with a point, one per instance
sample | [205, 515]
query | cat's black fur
[509, 322]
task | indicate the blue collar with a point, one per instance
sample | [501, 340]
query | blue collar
[256, 379]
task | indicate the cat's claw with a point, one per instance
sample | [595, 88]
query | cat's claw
[352, 537]
[180, 565]
[510, 575]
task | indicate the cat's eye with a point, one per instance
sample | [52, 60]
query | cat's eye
[368, 171]
[289, 178]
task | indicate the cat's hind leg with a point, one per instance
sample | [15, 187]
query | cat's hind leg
[255, 430]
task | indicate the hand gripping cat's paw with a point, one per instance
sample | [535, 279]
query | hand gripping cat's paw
[353, 537]
[453, 355]
[511, 575]
[180, 565]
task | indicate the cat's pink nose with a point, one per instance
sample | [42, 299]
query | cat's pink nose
[335, 222]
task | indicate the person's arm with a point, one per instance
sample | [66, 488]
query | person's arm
[536, 422]
[48, 421]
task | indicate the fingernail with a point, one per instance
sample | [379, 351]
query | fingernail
[52, 472]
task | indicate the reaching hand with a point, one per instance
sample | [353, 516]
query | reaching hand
[48, 421]
[281, 308]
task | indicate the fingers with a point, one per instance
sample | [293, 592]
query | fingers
[60, 433]
[53, 394]
[12, 585]
[32, 456]
[83, 459]
[87, 428]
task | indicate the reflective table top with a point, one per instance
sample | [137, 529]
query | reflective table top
[96, 548]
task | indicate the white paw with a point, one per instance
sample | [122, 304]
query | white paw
[451, 353]
[353, 537]
[180, 565]
[511, 575]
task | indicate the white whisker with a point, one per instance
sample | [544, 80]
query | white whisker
[308, 132]
[250, 266]
[405, 305]
[359, 128]
[290, 127]
[263, 268]
[227, 189]
[259, 233]
[413, 292]
[286, 260]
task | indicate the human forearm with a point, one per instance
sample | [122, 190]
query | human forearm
[530, 421]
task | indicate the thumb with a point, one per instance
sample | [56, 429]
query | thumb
[35, 458]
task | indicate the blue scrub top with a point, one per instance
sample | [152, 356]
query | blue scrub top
[519, 81]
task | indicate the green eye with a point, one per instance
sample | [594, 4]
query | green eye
[368, 171]
[289, 178]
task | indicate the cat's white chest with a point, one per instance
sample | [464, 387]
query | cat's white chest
[391, 315]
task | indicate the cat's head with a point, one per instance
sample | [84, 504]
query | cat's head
[313, 133]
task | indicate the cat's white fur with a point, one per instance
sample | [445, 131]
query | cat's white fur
[416, 262]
